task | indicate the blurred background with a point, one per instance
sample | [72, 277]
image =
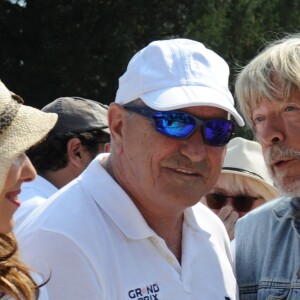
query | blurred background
[80, 48]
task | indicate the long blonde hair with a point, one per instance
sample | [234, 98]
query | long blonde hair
[15, 278]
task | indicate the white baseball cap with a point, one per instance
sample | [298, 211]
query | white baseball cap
[177, 73]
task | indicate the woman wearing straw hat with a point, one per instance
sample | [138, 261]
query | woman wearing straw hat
[21, 127]
[243, 185]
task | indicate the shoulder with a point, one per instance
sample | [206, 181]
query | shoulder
[39, 187]
[263, 216]
[205, 213]
[209, 221]
[55, 210]
[73, 205]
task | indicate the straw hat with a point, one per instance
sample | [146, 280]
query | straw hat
[245, 158]
[20, 128]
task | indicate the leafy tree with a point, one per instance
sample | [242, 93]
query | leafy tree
[60, 48]
[82, 47]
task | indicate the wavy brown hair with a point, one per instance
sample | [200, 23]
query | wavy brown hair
[15, 278]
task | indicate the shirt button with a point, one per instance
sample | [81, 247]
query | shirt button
[155, 241]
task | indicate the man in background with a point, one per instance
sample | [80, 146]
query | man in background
[79, 135]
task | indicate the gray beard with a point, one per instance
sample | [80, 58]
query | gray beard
[291, 189]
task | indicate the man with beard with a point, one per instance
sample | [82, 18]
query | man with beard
[267, 239]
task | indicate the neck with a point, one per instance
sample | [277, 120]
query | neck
[58, 178]
[166, 225]
[169, 229]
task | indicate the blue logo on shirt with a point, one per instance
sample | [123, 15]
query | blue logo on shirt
[149, 292]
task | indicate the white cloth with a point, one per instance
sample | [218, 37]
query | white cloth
[25, 210]
[32, 195]
[232, 249]
[39, 187]
[98, 246]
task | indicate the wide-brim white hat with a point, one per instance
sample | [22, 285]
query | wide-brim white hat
[177, 73]
[245, 158]
[21, 127]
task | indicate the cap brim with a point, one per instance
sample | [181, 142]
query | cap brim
[186, 96]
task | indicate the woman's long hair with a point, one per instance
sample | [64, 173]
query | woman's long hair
[15, 278]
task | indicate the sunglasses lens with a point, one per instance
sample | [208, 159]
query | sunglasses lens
[240, 203]
[218, 132]
[180, 125]
[173, 124]
[243, 203]
[215, 201]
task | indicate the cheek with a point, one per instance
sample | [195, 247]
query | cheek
[6, 214]
[241, 214]
[136, 153]
[13, 175]
[145, 152]
[216, 158]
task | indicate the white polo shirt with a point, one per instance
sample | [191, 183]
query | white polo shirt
[98, 246]
[39, 187]
[32, 195]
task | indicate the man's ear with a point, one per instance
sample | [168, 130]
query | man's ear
[107, 147]
[116, 114]
[74, 151]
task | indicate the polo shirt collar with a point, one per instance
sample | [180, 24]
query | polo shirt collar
[110, 197]
[119, 206]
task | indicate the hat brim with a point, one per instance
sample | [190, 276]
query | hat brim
[186, 96]
[28, 127]
[270, 187]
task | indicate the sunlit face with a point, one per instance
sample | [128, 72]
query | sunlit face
[277, 129]
[222, 188]
[166, 174]
[20, 171]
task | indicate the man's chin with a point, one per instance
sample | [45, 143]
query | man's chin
[291, 188]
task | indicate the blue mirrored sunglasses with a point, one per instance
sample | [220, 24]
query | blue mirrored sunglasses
[180, 125]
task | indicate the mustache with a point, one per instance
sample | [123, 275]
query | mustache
[278, 152]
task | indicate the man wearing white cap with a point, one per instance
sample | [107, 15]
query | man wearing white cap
[130, 227]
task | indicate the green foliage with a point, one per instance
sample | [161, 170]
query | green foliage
[81, 47]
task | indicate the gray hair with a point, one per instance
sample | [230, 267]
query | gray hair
[271, 76]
